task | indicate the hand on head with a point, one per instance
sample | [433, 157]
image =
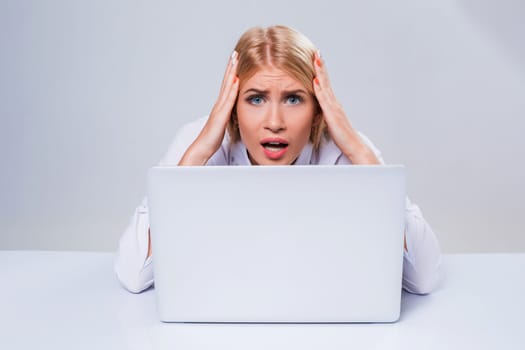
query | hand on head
[211, 136]
[344, 135]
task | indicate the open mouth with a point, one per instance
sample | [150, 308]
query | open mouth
[274, 148]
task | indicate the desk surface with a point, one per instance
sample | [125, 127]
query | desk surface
[64, 300]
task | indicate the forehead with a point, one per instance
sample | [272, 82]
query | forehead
[271, 77]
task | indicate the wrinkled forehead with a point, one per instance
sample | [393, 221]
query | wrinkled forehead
[271, 77]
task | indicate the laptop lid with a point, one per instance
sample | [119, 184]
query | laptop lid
[277, 244]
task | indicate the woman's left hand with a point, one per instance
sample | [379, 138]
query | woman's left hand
[339, 127]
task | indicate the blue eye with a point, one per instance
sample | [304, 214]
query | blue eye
[293, 99]
[255, 99]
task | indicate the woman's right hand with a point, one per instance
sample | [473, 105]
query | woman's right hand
[212, 134]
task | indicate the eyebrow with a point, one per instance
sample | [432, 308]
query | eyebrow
[284, 93]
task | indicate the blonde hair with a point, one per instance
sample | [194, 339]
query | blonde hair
[285, 49]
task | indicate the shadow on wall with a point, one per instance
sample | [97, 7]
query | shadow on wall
[503, 20]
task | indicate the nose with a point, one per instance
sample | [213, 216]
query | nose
[274, 120]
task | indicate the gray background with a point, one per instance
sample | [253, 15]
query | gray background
[92, 92]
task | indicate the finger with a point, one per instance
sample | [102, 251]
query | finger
[228, 96]
[319, 82]
[321, 73]
[230, 70]
[320, 93]
[324, 95]
[233, 93]
[230, 79]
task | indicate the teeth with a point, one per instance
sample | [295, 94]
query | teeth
[272, 148]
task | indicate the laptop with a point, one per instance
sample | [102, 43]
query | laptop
[277, 243]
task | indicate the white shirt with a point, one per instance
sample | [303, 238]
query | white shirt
[421, 260]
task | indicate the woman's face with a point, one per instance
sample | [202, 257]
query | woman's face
[275, 114]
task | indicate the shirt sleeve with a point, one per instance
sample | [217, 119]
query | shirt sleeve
[133, 268]
[422, 258]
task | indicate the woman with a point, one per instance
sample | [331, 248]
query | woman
[275, 107]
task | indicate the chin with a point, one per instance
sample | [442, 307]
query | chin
[265, 161]
[275, 163]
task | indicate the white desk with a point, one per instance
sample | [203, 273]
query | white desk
[72, 300]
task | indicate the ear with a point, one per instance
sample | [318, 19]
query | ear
[234, 118]
[233, 126]
[318, 118]
[318, 110]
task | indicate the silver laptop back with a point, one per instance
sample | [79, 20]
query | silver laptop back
[277, 244]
